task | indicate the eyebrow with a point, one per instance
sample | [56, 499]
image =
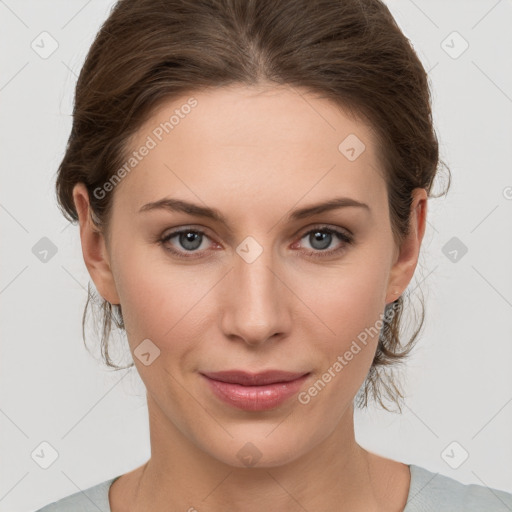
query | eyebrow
[179, 205]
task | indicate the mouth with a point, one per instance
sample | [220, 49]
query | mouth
[254, 391]
[254, 379]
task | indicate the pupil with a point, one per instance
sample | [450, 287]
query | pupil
[322, 237]
[189, 240]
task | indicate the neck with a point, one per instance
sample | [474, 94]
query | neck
[336, 475]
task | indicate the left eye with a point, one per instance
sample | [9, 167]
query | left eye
[320, 239]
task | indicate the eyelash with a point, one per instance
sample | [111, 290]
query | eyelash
[344, 237]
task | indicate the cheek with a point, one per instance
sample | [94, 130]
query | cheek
[352, 307]
[161, 301]
[350, 298]
[351, 303]
[150, 295]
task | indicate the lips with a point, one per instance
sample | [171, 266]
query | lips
[254, 379]
[254, 391]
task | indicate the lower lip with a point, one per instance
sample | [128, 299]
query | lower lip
[255, 398]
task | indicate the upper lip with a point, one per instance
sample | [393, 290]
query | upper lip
[254, 379]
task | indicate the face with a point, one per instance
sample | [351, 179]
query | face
[261, 287]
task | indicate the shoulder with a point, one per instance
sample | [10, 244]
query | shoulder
[90, 500]
[433, 492]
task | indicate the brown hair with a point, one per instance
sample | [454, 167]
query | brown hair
[349, 51]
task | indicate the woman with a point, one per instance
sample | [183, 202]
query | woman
[251, 181]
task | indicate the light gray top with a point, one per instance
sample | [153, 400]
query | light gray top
[428, 492]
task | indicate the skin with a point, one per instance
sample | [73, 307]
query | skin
[254, 154]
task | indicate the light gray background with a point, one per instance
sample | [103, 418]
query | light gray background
[458, 381]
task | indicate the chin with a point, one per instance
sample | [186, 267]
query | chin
[259, 447]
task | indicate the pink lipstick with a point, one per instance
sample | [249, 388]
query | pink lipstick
[254, 392]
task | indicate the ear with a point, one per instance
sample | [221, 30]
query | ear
[407, 259]
[94, 247]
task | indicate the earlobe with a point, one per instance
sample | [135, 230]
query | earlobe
[405, 265]
[94, 248]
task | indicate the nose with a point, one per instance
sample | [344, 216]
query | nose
[256, 306]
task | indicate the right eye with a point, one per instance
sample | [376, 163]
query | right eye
[190, 240]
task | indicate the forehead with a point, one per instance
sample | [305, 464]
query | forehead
[244, 143]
